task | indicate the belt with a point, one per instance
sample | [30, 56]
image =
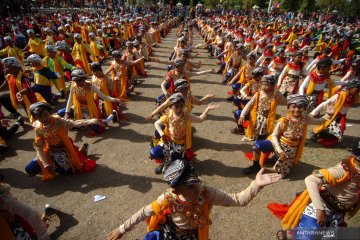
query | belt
[57, 147]
[171, 229]
[293, 76]
[289, 142]
[317, 92]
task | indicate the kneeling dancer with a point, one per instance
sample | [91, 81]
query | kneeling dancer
[183, 212]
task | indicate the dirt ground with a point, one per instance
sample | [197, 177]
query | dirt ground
[126, 176]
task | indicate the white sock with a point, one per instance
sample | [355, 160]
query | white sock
[109, 118]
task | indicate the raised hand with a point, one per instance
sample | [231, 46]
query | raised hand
[5, 122]
[208, 96]
[149, 117]
[120, 103]
[212, 106]
[263, 180]
[114, 235]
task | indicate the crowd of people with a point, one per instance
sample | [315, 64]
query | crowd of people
[265, 63]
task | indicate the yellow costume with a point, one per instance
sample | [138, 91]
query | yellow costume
[36, 46]
[79, 54]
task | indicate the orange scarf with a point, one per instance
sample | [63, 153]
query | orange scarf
[90, 102]
[159, 218]
[121, 91]
[315, 79]
[104, 47]
[96, 54]
[83, 56]
[104, 89]
[5, 231]
[243, 79]
[338, 105]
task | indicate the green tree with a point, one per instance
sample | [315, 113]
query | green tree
[247, 4]
[329, 5]
[211, 3]
[290, 5]
[233, 3]
[307, 6]
[352, 8]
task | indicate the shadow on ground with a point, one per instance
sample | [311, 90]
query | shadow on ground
[84, 183]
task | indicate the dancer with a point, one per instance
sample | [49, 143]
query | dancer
[176, 129]
[287, 140]
[35, 44]
[18, 220]
[262, 110]
[183, 212]
[181, 86]
[43, 78]
[18, 81]
[100, 81]
[81, 103]
[118, 69]
[56, 152]
[80, 54]
[12, 51]
[330, 195]
[288, 82]
[332, 131]
[58, 65]
[314, 84]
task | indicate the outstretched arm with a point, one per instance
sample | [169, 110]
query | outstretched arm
[15, 207]
[109, 69]
[203, 116]
[346, 77]
[241, 199]
[282, 75]
[131, 63]
[138, 217]
[196, 101]
[159, 109]
[304, 85]
[103, 96]
[236, 77]
[223, 53]
[201, 73]
[163, 86]
[69, 124]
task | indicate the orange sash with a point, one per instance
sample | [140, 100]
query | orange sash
[159, 218]
[338, 105]
[93, 110]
